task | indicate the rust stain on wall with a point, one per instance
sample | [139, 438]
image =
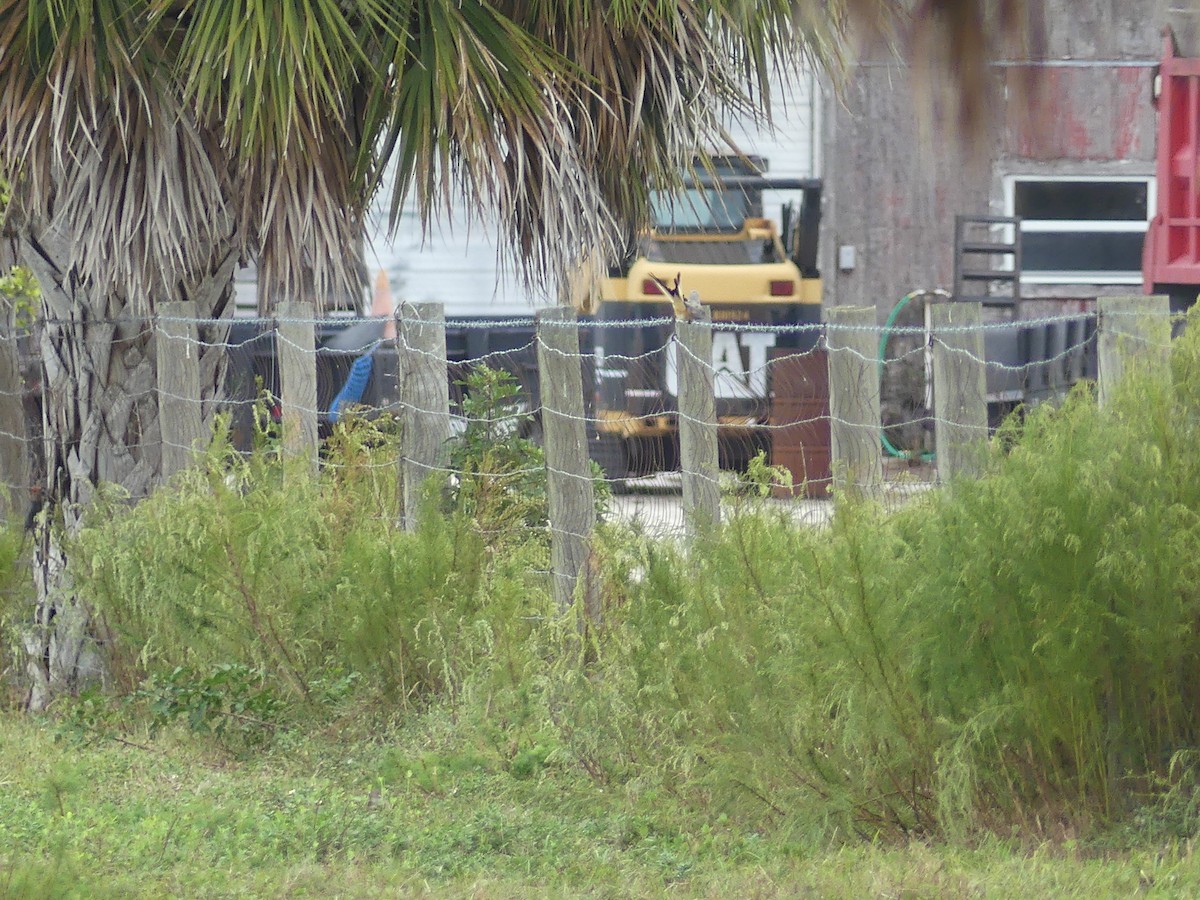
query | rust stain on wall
[1133, 95]
[1086, 113]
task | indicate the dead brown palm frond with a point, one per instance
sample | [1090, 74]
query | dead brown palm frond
[281, 85]
[101, 151]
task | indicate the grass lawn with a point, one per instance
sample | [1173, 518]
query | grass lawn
[411, 811]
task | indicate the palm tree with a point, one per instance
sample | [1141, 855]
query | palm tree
[152, 144]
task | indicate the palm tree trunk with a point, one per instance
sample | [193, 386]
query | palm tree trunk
[100, 425]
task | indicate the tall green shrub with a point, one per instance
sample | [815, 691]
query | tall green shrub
[1063, 593]
[1020, 648]
[224, 565]
[762, 666]
[500, 475]
[245, 561]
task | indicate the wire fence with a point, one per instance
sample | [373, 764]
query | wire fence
[675, 421]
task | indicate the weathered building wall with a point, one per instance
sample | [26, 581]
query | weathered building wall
[1086, 113]
[893, 188]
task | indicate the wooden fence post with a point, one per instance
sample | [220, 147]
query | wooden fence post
[568, 468]
[698, 423]
[959, 388]
[1133, 331]
[295, 334]
[424, 399]
[177, 368]
[853, 341]
[14, 439]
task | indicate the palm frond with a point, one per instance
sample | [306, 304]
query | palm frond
[148, 131]
[277, 80]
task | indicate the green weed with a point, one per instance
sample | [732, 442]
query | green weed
[500, 478]
[16, 593]
[244, 564]
[231, 703]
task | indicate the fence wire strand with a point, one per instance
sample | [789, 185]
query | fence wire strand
[771, 396]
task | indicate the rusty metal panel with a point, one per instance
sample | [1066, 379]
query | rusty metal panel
[801, 438]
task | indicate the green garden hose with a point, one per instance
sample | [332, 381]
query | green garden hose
[888, 446]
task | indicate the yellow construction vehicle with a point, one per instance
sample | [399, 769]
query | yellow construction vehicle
[746, 269]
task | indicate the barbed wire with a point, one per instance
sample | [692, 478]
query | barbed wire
[967, 353]
[751, 405]
[490, 323]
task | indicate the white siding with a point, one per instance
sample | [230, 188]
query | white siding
[456, 266]
[790, 148]
[245, 292]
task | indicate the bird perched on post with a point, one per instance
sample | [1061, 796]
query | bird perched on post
[685, 307]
